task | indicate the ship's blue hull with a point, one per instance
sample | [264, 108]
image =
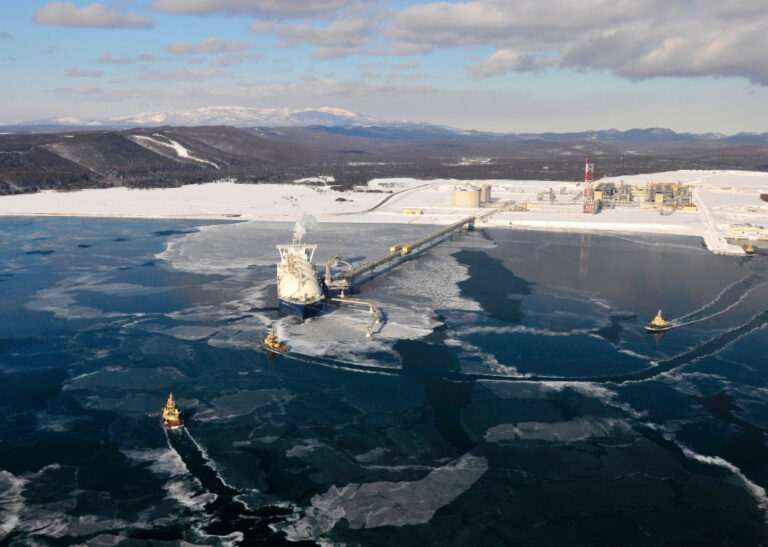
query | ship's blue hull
[303, 311]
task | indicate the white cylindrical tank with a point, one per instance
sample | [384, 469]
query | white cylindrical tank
[465, 197]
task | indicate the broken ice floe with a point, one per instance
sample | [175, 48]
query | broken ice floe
[569, 431]
[370, 505]
[242, 403]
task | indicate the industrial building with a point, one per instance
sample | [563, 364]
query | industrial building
[669, 194]
[662, 195]
[610, 194]
[748, 231]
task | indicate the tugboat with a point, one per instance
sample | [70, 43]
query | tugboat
[272, 344]
[749, 249]
[171, 416]
[658, 324]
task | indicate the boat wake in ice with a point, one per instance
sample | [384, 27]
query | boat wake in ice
[228, 517]
[705, 349]
[728, 298]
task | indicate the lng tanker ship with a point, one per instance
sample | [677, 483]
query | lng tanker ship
[299, 291]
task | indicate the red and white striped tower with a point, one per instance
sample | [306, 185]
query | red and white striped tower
[589, 186]
[589, 171]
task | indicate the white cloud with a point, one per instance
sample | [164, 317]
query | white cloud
[371, 69]
[356, 93]
[81, 73]
[636, 39]
[526, 22]
[719, 52]
[209, 45]
[107, 58]
[238, 58]
[607, 50]
[506, 60]
[186, 75]
[515, 108]
[339, 39]
[78, 90]
[273, 8]
[94, 15]
[414, 76]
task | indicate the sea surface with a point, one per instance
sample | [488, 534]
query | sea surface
[509, 396]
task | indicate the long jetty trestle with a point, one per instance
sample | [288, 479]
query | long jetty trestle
[344, 280]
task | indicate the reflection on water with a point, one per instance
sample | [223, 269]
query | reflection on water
[511, 397]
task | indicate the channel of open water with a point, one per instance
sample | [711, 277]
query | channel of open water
[511, 396]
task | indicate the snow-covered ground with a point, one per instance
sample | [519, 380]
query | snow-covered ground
[724, 198]
[180, 150]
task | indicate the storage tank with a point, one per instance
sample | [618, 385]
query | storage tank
[465, 197]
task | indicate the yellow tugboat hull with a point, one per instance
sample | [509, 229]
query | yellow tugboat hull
[170, 416]
[656, 328]
[658, 324]
[272, 344]
[273, 349]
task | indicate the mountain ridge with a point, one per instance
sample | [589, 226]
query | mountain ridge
[346, 122]
[234, 116]
[153, 157]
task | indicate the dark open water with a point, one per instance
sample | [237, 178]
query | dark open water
[521, 402]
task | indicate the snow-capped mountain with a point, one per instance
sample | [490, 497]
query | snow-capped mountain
[236, 116]
[68, 120]
[345, 122]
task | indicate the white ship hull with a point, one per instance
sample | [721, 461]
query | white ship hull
[299, 291]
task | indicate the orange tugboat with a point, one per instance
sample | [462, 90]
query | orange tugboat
[749, 249]
[658, 324]
[171, 415]
[272, 344]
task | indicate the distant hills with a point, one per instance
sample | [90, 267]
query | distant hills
[70, 156]
[345, 122]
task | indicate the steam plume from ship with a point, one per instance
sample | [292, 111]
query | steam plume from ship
[302, 226]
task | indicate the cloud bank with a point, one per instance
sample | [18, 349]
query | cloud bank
[634, 39]
[209, 45]
[93, 15]
[272, 8]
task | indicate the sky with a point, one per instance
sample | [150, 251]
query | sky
[494, 65]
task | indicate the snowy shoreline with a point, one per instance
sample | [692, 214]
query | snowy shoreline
[723, 198]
